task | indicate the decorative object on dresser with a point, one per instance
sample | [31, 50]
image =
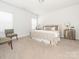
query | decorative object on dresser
[69, 33]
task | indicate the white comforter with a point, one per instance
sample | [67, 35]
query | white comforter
[46, 36]
[54, 33]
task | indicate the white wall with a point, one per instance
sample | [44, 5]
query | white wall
[21, 19]
[62, 17]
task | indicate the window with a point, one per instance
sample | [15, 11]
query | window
[6, 21]
[34, 22]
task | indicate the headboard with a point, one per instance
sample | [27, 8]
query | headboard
[49, 27]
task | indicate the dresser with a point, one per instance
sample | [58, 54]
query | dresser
[69, 34]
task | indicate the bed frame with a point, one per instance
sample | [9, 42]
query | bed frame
[47, 35]
[48, 27]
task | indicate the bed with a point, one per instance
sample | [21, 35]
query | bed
[49, 34]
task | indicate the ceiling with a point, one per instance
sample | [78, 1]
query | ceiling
[41, 8]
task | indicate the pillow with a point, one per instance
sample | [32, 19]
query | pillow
[47, 28]
[53, 28]
[39, 28]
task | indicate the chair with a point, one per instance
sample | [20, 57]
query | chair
[10, 33]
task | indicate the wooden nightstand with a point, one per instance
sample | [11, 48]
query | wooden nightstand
[69, 34]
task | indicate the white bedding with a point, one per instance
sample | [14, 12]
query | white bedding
[54, 33]
[46, 36]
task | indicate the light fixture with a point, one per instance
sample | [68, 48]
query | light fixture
[41, 1]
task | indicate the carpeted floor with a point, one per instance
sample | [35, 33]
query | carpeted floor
[30, 49]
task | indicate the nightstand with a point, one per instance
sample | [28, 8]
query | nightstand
[69, 34]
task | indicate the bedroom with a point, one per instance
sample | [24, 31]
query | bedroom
[59, 12]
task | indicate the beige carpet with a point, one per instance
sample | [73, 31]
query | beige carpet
[30, 49]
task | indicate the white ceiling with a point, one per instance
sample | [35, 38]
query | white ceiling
[41, 8]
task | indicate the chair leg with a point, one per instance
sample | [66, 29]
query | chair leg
[10, 43]
[50, 43]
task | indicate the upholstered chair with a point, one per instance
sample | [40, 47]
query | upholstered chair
[10, 33]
